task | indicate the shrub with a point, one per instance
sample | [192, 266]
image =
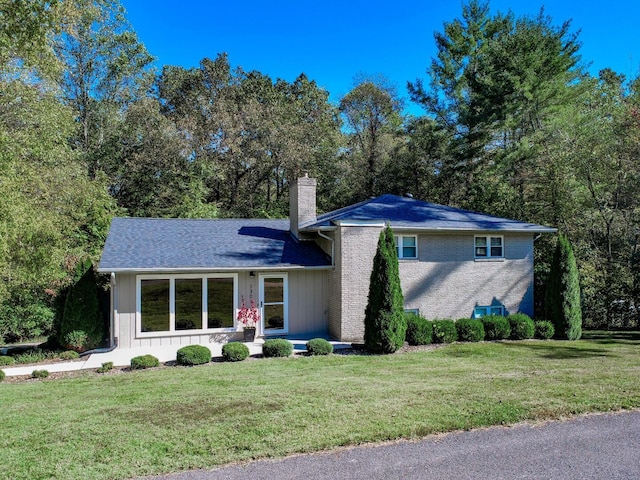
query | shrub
[144, 361]
[193, 355]
[2, 375]
[521, 325]
[82, 326]
[5, 360]
[444, 331]
[34, 356]
[419, 330]
[40, 374]
[384, 322]
[24, 317]
[470, 330]
[544, 329]
[277, 347]
[106, 366]
[69, 355]
[234, 352]
[319, 346]
[562, 296]
[496, 327]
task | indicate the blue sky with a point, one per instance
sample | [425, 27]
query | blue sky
[333, 41]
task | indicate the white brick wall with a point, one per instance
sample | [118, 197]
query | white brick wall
[445, 281]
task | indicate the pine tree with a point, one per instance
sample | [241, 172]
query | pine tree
[384, 323]
[562, 296]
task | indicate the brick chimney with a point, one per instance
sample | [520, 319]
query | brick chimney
[302, 203]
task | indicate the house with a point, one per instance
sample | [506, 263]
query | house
[182, 281]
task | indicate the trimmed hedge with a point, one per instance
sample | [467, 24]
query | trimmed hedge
[2, 375]
[444, 331]
[69, 355]
[144, 361]
[470, 330]
[544, 330]
[496, 327]
[6, 360]
[234, 352]
[522, 327]
[40, 374]
[319, 346]
[106, 366]
[193, 355]
[277, 347]
[419, 330]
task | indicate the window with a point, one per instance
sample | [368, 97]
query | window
[483, 311]
[406, 246]
[415, 311]
[489, 247]
[181, 303]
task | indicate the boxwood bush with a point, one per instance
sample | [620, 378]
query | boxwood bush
[419, 330]
[69, 355]
[6, 360]
[40, 374]
[144, 361]
[444, 331]
[193, 355]
[234, 352]
[277, 347]
[496, 327]
[2, 375]
[522, 327]
[106, 366]
[470, 330]
[544, 330]
[319, 346]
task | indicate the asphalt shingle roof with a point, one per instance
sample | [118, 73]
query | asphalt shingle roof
[403, 212]
[142, 244]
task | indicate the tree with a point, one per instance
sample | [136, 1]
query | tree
[384, 323]
[105, 69]
[563, 292]
[372, 114]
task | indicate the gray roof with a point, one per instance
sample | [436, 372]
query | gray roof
[408, 213]
[153, 244]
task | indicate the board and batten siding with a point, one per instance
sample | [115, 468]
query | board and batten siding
[308, 309]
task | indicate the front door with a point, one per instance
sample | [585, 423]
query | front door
[273, 303]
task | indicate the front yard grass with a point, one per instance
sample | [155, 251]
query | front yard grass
[172, 419]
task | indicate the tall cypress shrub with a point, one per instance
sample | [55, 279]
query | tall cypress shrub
[562, 296]
[384, 321]
[82, 327]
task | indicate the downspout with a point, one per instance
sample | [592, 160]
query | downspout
[321, 235]
[537, 237]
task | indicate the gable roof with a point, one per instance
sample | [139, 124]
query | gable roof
[408, 213]
[154, 244]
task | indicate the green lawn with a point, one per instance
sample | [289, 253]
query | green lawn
[171, 419]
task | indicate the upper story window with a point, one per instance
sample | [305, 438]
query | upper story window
[489, 247]
[406, 246]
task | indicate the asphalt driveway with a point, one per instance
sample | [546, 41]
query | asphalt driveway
[586, 447]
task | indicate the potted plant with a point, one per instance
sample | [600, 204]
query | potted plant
[249, 318]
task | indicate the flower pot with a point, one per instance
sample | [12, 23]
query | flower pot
[249, 334]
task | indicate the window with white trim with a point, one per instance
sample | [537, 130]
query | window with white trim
[484, 310]
[406, 246]
[176, 304]
[488, 247]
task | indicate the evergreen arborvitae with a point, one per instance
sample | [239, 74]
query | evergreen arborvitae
[562, 296]
[81, 316]
[384, 321]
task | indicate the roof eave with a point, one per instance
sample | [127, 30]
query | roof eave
[209, 269]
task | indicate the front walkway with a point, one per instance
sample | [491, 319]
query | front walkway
[122, 356]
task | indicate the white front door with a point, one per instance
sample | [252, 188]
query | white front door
[274, 304]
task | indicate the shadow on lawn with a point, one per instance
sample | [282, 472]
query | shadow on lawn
[607, 337]
[563, 350]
